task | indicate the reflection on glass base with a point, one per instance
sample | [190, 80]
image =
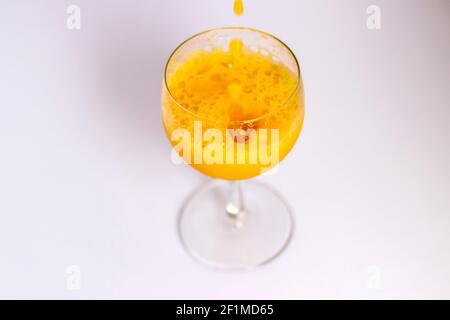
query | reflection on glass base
[254, 236]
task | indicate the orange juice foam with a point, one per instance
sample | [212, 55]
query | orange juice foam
[235, 88]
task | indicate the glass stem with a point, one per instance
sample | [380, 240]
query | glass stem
[235, 208]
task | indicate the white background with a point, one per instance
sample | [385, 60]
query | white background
[86, 177]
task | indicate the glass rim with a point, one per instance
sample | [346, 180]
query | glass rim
[289, 97]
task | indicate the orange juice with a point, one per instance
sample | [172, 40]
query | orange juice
[238, 7]
[234, 88]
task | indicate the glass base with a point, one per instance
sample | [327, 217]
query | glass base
[255, 236]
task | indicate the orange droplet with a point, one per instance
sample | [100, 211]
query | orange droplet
[235, 47]
[238, 7]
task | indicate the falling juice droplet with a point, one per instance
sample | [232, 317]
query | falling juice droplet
[238, 7]
[235, 47]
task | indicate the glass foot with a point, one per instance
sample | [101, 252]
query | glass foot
[217, 234]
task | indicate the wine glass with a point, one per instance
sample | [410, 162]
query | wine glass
[232, 106]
